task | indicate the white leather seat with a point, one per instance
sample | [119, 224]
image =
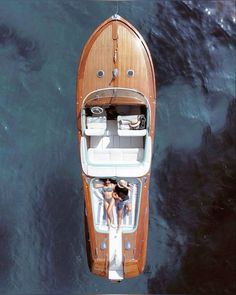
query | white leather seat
[96, 126]
[142, 132]
[103, 163]
[124, 128]
[116, 156]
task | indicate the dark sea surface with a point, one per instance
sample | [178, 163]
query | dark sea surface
[192, 232]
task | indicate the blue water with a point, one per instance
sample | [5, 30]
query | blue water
[191, 246]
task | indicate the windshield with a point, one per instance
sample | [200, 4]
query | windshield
[115, 95]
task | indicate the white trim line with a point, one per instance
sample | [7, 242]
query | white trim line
[115, 255]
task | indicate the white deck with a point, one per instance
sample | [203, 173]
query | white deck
[115, 256]
[129, 222]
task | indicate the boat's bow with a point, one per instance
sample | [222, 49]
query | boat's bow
[116, 55]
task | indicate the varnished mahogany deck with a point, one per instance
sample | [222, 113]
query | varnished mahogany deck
[116, 44]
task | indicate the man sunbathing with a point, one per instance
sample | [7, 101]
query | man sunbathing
[121, 195]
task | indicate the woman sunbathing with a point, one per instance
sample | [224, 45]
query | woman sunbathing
[108, 188]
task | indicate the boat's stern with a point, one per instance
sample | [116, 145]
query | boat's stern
[116, 254]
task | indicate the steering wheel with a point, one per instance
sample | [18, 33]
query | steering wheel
[97, 110]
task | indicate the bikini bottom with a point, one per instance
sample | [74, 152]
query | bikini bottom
[108, 200]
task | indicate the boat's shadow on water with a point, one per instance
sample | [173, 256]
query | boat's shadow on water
[59, 222]
[198, 190]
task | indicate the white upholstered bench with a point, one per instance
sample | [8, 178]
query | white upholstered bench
[116, 156]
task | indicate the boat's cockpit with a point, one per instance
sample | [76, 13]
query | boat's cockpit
[115, 133]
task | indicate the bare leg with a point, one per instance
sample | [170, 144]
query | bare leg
[109, 210]
[128, 208]
[106, 205]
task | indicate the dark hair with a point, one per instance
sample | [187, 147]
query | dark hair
[110, 179]
[105, 180]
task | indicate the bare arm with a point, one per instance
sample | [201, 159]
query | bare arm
[98, 185]
[116, 197]
[130, 186]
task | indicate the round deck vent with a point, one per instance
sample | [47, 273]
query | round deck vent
[130, 73]
[100, 73]
[127, 245]
[103, 246]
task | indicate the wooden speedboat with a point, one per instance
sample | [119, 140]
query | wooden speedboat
[115, 117]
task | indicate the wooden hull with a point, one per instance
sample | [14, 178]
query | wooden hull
[116, 44]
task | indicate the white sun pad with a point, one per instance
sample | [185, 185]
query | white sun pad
[128, 222]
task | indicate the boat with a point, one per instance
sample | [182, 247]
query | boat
[115, 103]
